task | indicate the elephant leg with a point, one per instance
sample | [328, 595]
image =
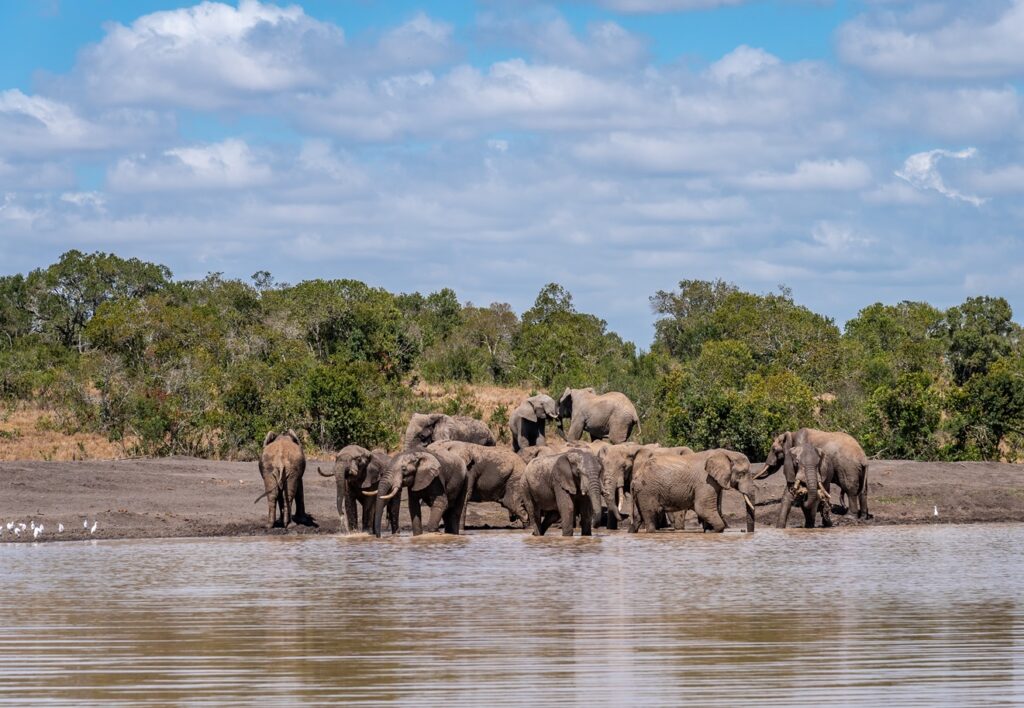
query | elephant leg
[394, 506]
[547, 518]
[351, 521]
[679, 520]
[587, 518]
[787, 503]
[810, 510]
[272, 497]
[415, 514]
[437, 510]
[470, 485]
[300, 503]
[541, 440]
[567, 510]
[710, 518]
[610, 521]
[826, 514]
[576, 429]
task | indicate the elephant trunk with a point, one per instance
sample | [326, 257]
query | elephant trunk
[595, 502]
[378, 515]
[812, 494]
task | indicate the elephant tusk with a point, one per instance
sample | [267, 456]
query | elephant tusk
[750, 504]
[385, 497]
[828, 497]
[370, 493]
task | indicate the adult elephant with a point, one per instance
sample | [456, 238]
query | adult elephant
[434, 478]
[357, 471]
[426, 428]
[619, 461]
[810, 489]
[841, 455]
[493, 474]
[610, 416]
[673, 483]
[566, 486]
[281, 465]
[529, 421]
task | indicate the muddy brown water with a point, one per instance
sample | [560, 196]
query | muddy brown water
[869, 616]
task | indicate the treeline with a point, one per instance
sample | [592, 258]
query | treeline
[206, 367]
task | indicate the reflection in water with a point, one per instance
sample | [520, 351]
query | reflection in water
[920, 615]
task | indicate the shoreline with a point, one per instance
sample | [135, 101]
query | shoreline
[180, 498]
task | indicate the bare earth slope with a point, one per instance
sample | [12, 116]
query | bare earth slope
[190, 497]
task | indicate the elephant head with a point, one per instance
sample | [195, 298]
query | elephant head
[778, 456]
[580, 472]
[806, 486]
[565, 402]
[618, 462]
[415, 470]
[420, 431]
[538, 408]
[733, 473]
[349, 465]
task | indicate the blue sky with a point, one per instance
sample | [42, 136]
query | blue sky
[854, 150]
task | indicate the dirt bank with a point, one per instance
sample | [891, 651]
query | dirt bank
[189, 497]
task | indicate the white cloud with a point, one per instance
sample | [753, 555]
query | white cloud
[965, 45]
[660, 6]
[957, 113]
[742, 63]
[922, 171]
[226, 165]
[552, 39]
[812, 175]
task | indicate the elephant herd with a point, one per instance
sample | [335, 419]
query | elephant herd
[448, 462]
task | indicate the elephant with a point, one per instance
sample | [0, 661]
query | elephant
[610, 416]
[435, 478]
[810, 489]
[529, 421]
[493, 474]
[564, 486]
[667, 483]
[425, 428]
[841, 455]
[356, 471]
[282, 464]
[618, 462]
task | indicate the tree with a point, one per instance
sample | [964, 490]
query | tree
[980, 331]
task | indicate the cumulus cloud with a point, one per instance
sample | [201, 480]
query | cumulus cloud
[602, 45]
[227, 165]
[964, 44]
[922, 171]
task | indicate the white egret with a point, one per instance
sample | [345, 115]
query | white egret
[60, 528]
[935, 511]
[36, 531]
[93, 529]
[85, 523]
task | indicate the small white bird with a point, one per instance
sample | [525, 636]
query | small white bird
[93, 529]
[36, 531]
[60, 528]
[17, 532]
[85, 523]
[935, 511]
[22, 526]
[32, 524]
[10, 525]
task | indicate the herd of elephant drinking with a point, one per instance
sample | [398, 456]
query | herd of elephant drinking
[449, 461]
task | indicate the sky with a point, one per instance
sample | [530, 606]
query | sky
[855, 151]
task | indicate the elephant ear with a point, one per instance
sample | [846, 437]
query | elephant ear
[824, 463]
[719, 468]
[427, 470]
[563, 473]
[527, 412]
[293, 436]
[787, 457]
[271, 437]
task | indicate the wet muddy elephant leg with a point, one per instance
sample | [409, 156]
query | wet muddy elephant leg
[787, 504]
[547, 518]
[566, 509]
[394, 506]
[415, 513]
[437, 509]
[587, 518]
[706, 505]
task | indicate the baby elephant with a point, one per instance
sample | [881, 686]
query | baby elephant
[435, 478]
[680, 483]
[357, 471]
[565, 487]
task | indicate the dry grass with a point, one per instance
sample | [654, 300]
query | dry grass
[485, 398]
[29, 433]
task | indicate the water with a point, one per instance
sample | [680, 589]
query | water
[914, 615]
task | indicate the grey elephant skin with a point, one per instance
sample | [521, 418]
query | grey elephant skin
[357, 471]
[493, 474]
[566, 486]
[609, 416]
[810, 490]
[528, 423]
[618, 462]
[674, 483]
[436, 479]
[281, 465]
[842, 456]
[426, 428]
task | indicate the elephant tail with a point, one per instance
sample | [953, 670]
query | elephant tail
[279, 484]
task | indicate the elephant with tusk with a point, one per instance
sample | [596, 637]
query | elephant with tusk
[809, 490]
[436, 478]
[619, 461]
[357, 471]
[841, 455]
[678, 483]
